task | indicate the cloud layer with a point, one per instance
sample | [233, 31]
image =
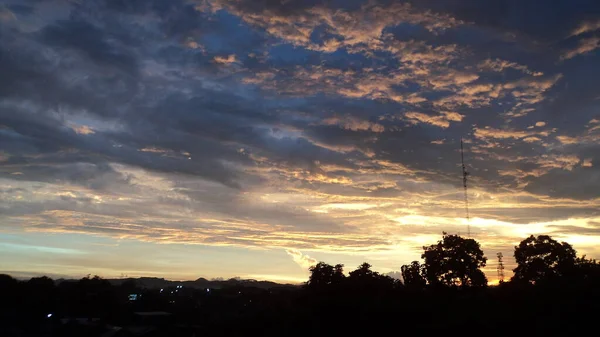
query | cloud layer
[302, 125]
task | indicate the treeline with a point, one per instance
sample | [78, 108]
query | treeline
[457, 262]
[553, 291]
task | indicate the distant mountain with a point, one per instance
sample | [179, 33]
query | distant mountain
[201, 283]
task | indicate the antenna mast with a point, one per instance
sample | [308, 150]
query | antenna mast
[500, 268]
[465, 174]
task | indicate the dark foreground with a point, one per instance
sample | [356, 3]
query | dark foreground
[94, 307]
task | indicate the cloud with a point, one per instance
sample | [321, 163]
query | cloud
[585, 46]
[442, 121]
[488, 132]
[394, 274]
[499, 65]
[302, 260]
[83, 129]
[295, 22]
[229, 59]
[587, 26]
[567, 139]
[6, 15]
[354, 124]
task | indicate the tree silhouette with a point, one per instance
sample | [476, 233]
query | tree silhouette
[364, 279]
[362, 272]
[414, 275]
[323, 274]
[542, 259]
[338, 274]
[586, 270]
[455, 261]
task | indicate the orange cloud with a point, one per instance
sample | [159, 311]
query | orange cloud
[442, 121]
[499, 65]
[195, 45]
[82, 129]
[567, 140]
[229, 59]
[488, 132]
[363, 26]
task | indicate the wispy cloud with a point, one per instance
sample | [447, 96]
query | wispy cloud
[229, 59]
[585, 46]
[302, 260]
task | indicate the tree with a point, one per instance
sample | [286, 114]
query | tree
[455, 261]
[542, 259]
[338, 274]
[362, 272]
[413, 275]
[42, 282]
[364, 279]
[323, 274]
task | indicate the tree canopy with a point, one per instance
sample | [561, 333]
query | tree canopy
[414, 275]
[323, 274]
[455, 261]
[542, 258]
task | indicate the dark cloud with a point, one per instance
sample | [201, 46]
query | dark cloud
[579, 183]
[528, 17]
[99, 176]
[91, 42]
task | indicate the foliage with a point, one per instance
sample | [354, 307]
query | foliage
[362, 272]
[542, 259]
[364, 277]
[414, 275]
[323, 274]
[455, 261]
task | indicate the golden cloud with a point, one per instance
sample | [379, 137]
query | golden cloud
[229, 59]
[488, 132]
[442, 120]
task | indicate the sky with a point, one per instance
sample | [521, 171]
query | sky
[222, 138]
